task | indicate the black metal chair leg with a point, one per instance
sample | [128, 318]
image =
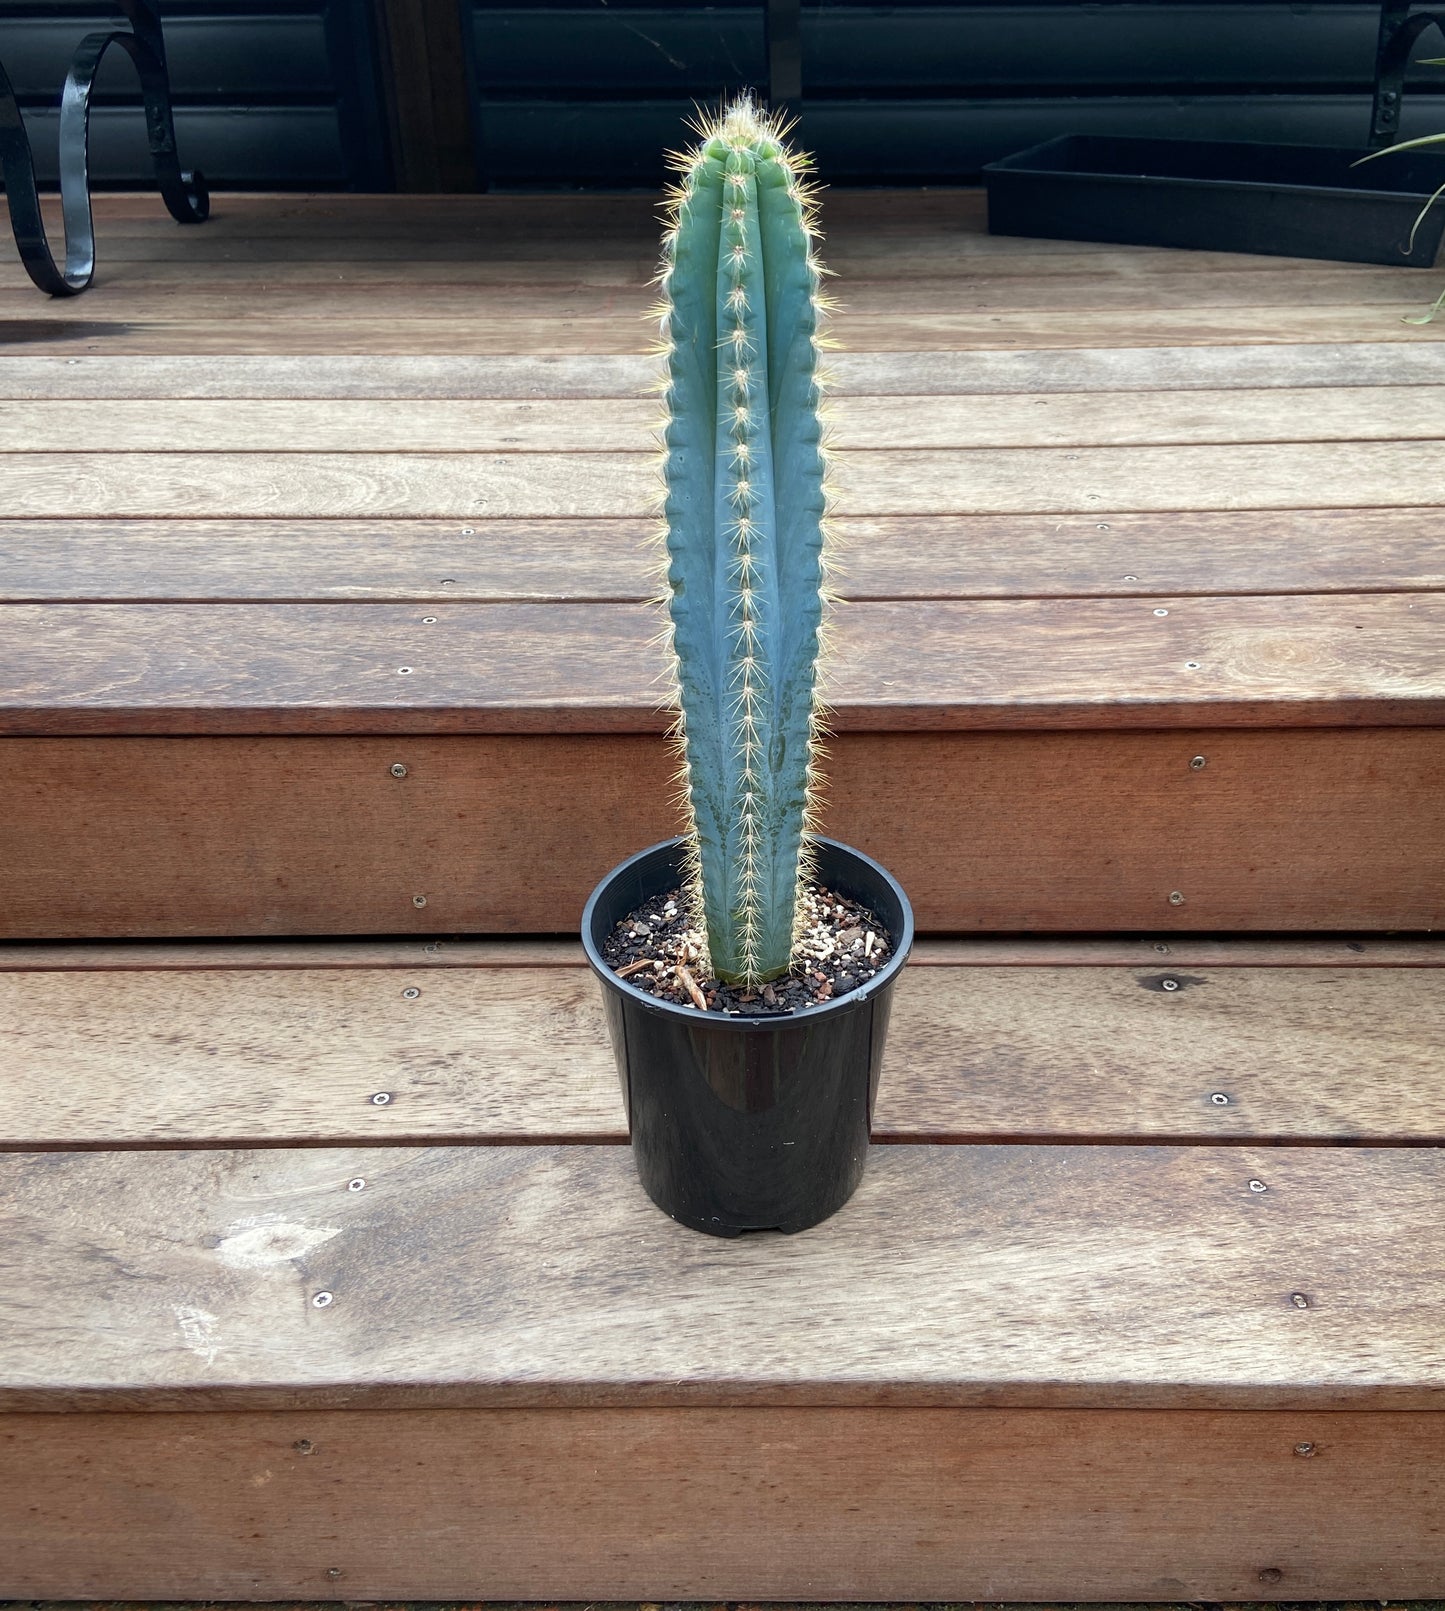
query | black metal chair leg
[185, 194]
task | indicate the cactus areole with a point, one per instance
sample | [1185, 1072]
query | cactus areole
[744, 505]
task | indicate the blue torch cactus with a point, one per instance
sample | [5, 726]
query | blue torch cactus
[744, 503]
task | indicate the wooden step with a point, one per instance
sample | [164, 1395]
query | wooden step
[145, 1046]
[1142, 599]
[1090, 1333]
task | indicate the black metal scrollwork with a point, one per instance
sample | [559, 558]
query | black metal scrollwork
[185, 194]
[1400, 29]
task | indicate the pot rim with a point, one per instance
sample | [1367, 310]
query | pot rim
[772, 1021]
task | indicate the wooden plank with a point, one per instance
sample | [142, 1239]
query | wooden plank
[1084, 1277]
[957, 213]
[265, 213]
[1008, 951]
[357, 427]
[486, 561]
[618, 425]
[622, 333]
[296, 1056]
[207, 1057]
[1002, 833]
[868, 299]
[449, 952]
[137, 256]
[592, 485]
[956, 1505]
[1303, 660]
[336, 374]
[362, 374]
[1212, 553]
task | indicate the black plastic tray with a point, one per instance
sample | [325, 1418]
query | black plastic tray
[1223, 196]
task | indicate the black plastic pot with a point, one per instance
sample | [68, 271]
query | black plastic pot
[1222, 195]
[744, 1124]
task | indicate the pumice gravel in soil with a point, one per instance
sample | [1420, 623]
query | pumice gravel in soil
[658, 948]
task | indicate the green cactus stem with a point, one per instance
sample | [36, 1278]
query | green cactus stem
[745, 505]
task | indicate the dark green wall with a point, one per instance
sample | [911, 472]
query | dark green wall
[283, 92]
[590, 93]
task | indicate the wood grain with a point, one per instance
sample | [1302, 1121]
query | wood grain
[1101, 1277]
[935, 1505]
[486, 561]
[364, 374]
[867, 300]
[263, 1057]
[468, 257]
[1304, 660]
[1045, 832]
[594, 485]
[221, 335]
[628, 425]
[1212, 553]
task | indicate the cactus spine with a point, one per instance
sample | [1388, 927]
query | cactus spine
[744, 505]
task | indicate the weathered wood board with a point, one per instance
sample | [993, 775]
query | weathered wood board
[1039, 1276]
[1010, 664]
[1212, 553]
[598, 485]
[1302, 1049]
[626, 425]
[694, 1504]
[1002, 832]
[357, 372]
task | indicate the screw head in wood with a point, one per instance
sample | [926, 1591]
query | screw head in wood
[304, 1446]
[333, 1572]
[1131, 578]
[1270, 1574]
[1197, 763]
[428, 620]
[1161, 612]
[323, 1300]
[410, 993]
[1218, 1098]
[403, 671]
[1299, 1300]
[469, 531]
[357, 1183]
[379, 1099]
[1169, 984]
[1191, 665]
[1257, 1186]
[1176, 897]
[398, 770]
[1304, 1450]
[418, 900]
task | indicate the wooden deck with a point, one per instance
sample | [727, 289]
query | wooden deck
[1106, 510]
[1141, 692]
